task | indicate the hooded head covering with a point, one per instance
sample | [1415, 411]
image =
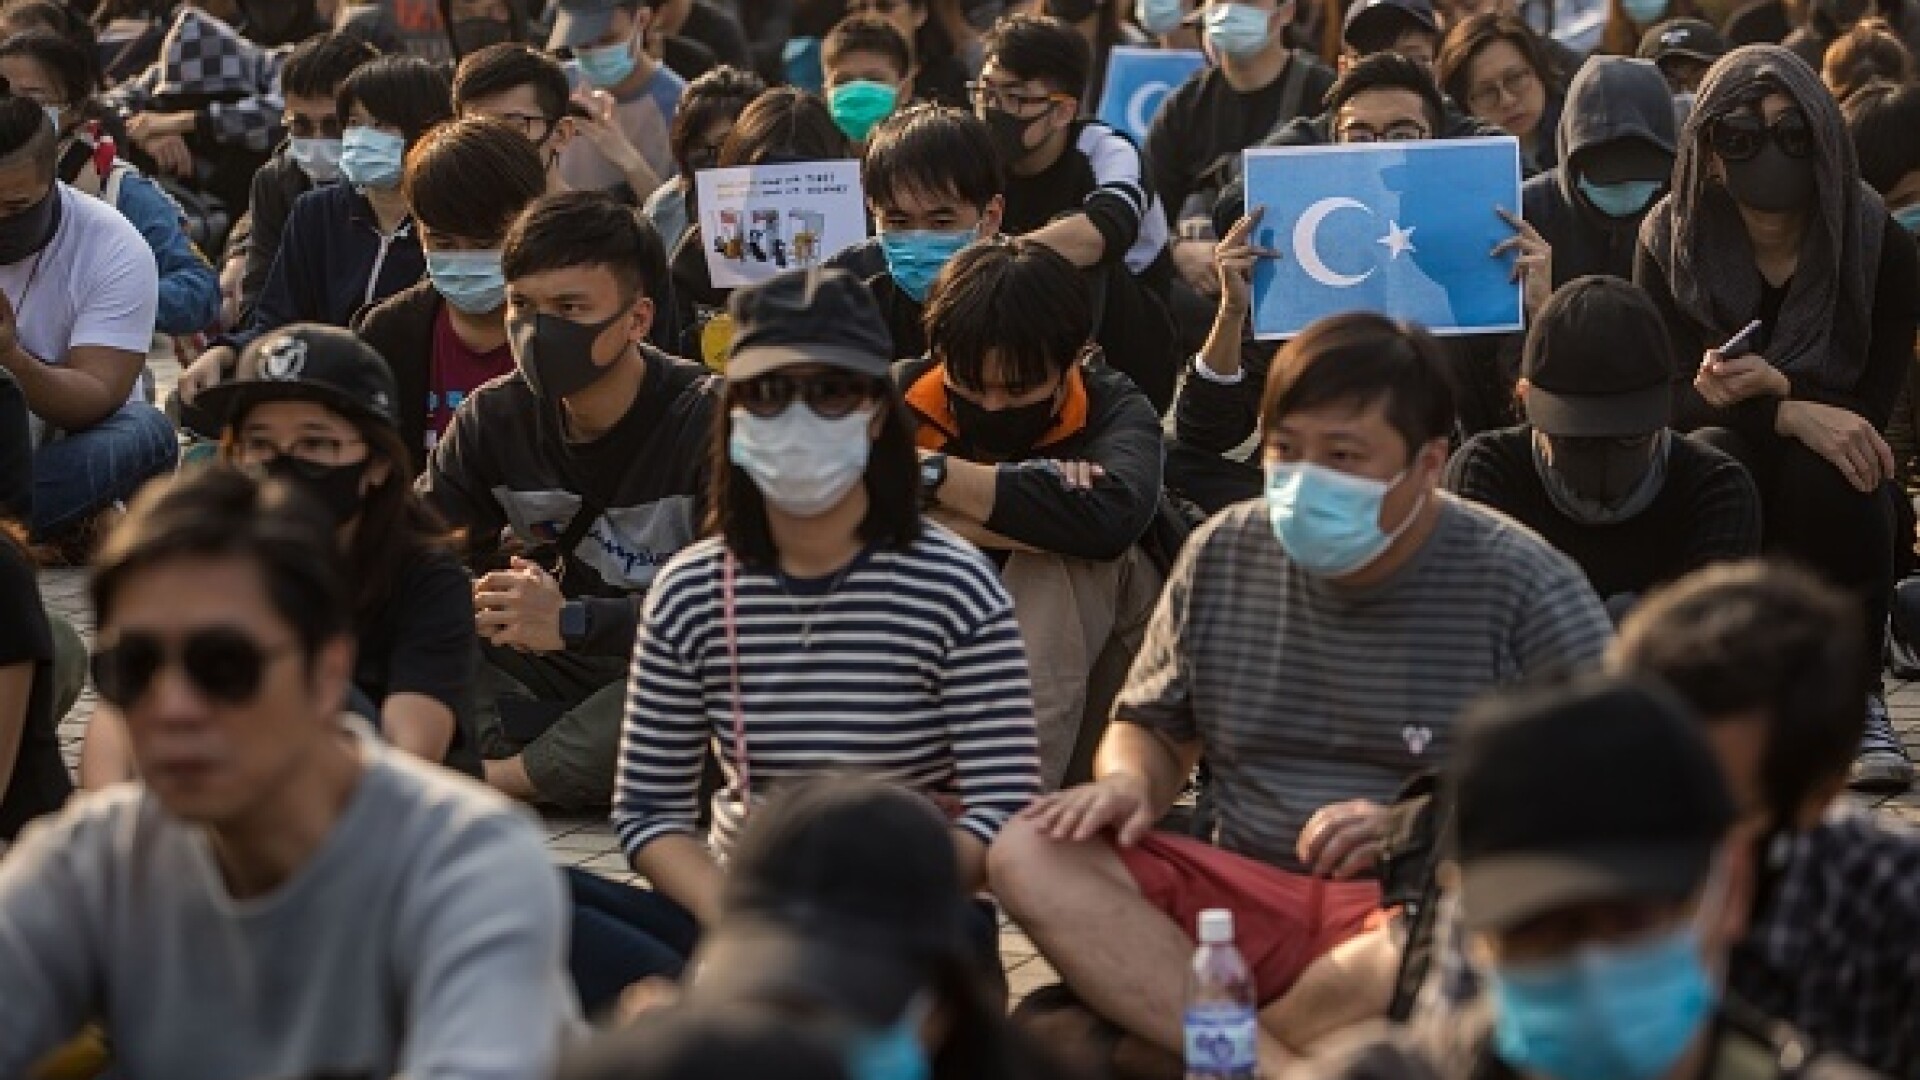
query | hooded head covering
[1697, 237]
[1611, 99]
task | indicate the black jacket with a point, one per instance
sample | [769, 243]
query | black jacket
[16, 453]
[400, 329]
[1612, 99]
[275, 186]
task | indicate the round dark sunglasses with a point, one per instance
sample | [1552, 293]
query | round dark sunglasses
[223, 663]
[1740, 136]
[830, 395]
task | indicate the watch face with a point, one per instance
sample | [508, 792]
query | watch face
[929, 472]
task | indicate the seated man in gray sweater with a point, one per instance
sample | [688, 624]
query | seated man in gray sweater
[280, 896]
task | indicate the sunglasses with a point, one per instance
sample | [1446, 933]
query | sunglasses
[222, 662]
[1742, 135]
[831, 395]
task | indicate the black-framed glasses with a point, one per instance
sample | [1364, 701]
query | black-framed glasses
[319, 451]
[830, 394]
[533, 125]
[224, 663]
[1739, 136]
[1360, 133]
[307, 127]
[993, 97]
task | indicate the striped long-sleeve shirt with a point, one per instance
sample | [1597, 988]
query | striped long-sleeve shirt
[906, 666]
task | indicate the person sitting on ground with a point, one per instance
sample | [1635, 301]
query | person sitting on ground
[1596, 470]
[820, 561]
[473, 25]
[1683, 49]
[629, 89]
[705, 118]
[866, 63]
[1605, 901]
[54, 72]
[1078, 186]
[574, 478]
[1408, 27]
[946, 45]
[315, 406]
[80, 295]
[1769, 222]
[1495, 66]
[416, 925]
[1629, 20]
[525, 89]
[1314, 647]
[1042, 456]
[33, 775]
[1879, 117]
[467, 183]
[1616, 153]
[1867, 52]
[348, 245]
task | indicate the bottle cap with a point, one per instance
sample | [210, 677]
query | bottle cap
[1216, 927]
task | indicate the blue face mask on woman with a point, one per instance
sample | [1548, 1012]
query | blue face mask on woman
[469, 280]
[1619, 1012]
[1619, 200]
[608, 65]
[916, 257]
[1158, 17]
[1329, 521]
[1237, 30]
[371, 158]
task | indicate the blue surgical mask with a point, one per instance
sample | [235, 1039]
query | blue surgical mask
[1238, 30]
[1644, 12]
[1908, 218]
[469, 280]
[894, 1053]
[1329, 521]
[318, 158]
[371, 158]
[1623, 199]
[1158, 17]
[608, 65]
[915, 258]
[1620, 1012]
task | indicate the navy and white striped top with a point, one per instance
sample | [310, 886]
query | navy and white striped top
[914, 672]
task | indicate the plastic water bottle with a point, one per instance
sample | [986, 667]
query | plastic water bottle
[1222, 1020]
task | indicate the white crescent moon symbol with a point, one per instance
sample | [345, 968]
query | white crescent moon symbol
[1139, 116]
[1307, 230]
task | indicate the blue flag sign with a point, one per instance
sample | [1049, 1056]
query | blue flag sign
[1404, 229]
[1138, 80]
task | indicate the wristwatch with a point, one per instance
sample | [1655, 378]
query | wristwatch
[933, 473]
[574, 621]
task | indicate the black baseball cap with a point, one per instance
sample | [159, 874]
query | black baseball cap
[843, 891]
[808, 317]
[580, 22]
[1594, 789]
[308, 362]
[1692, 38]
[1597, 362]
[1373, 24]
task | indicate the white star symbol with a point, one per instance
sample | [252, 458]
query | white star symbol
[1398, 240]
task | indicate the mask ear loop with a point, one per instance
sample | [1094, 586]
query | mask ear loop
[733, 672]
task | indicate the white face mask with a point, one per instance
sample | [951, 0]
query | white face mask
[803, 463]
[318, 158]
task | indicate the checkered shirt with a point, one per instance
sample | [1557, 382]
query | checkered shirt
[203, 58]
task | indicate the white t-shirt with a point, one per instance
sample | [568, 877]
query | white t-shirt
[94, 284]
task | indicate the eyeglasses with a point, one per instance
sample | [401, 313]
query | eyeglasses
[830, 394]
[1741, 135]
[223, 662]
[307, 127]
[1513, 84]
[990, 96]
[1360, 133]
[534, 126]
[317, 450]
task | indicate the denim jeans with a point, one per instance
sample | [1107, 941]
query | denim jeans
[83, 472]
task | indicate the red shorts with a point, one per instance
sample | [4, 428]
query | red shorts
[1282, 922]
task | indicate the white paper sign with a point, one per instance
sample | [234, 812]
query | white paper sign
[758, 221]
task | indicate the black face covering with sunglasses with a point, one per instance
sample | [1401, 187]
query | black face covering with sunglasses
[336, 487]
[223, 662]
[1766, 168]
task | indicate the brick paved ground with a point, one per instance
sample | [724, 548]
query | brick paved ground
[589, 842]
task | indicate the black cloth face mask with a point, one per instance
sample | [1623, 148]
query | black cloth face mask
[1004, 433]
[1771, 181]
[28, 232]
[556, 355]
[336, 487]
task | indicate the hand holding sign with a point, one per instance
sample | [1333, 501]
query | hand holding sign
[1233, 260]
[1533, 262]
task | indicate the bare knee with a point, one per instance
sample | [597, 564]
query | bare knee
[1032, 874]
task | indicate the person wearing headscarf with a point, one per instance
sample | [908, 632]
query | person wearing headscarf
[1770, 223]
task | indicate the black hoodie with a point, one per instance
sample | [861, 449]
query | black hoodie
[1611, 99]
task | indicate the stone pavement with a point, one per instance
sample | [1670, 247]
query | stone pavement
[590, 843]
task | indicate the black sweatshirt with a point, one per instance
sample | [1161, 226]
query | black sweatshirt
[1102, 174]
[1896, 309]
[1205, 124]
[1708, 511]
[504, 463]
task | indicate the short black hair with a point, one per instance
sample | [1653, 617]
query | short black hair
[784, 124]
[932, 150]
[471, 178]
[73, 68]
[587, 228]
[1882, 118]
[25, 133]
[1359, 359]
[867, 34]
[1453, 64]
[720, 94]
[55, 17]
[1387, 71]
[1015, 298]
[497, 69]
[1042, 49]
[317, 66]
[1768, 638]
[220, 512]
[408, 92]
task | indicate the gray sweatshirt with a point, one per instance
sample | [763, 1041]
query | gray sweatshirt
[425, 938]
